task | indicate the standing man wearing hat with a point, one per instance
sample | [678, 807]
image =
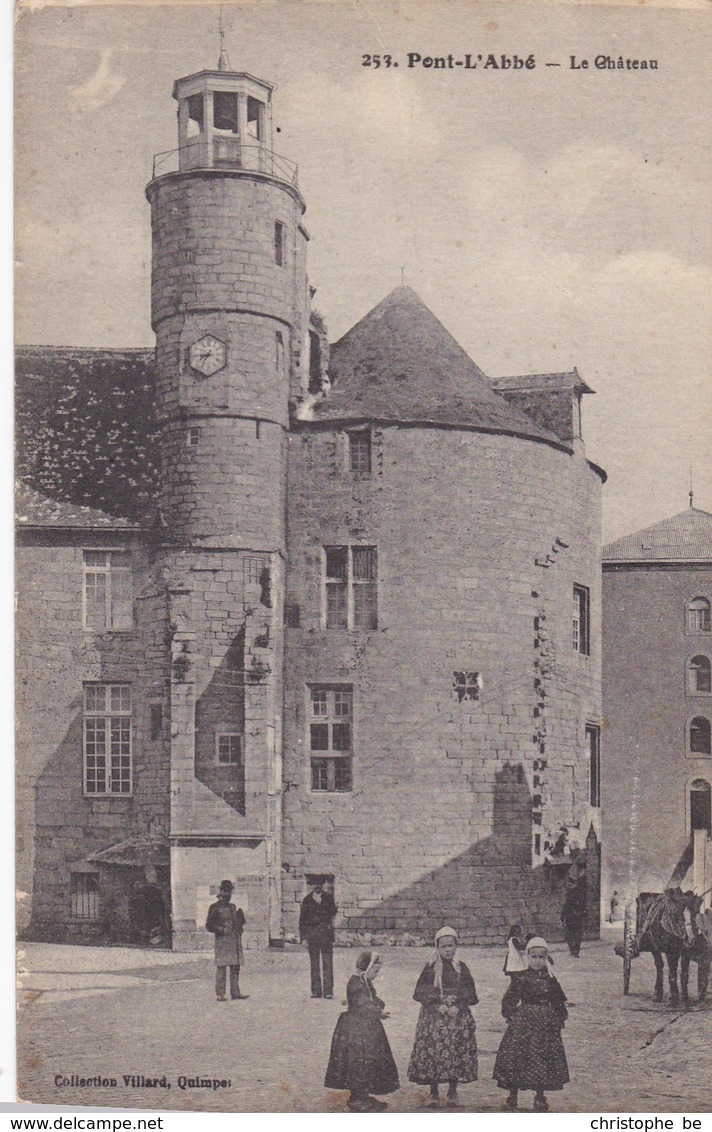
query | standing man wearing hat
[574, 911]
[316, 928]
[226, 922]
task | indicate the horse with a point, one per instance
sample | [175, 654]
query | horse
[669, 927]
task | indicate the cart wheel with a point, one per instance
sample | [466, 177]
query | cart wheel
[628, 937]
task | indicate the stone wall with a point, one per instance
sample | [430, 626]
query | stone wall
[647, 706]
[58, 826]
[448, 797]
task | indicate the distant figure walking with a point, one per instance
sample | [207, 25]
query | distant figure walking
[226, 922]
[531, 1054]
[445, 1046]
[316, 928]
[573, 912]
[361, 1058]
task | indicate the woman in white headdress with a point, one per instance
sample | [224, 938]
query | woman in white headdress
[361, 1058]
[531, 1054]
[445, 1046]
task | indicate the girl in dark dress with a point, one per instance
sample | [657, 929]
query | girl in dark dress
[445, 1046]
[531, 1054]
[361, 1058]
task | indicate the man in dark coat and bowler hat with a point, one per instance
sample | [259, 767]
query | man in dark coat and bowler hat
[316, 928]
[226, 922]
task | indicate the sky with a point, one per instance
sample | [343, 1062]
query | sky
[550, 218]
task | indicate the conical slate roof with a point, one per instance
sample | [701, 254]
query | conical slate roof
[400, 364]
[686, 537]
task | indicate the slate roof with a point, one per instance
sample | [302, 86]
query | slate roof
[85, 430]
[33, 509]
[545, 382]
[400, 364]
[686, 537]
[86, 435]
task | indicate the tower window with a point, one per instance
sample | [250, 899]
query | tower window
[466, 685]
[225, 111]
[192, 437]
[699, 675]
[253, 566]
[292, 615]
[156, 720]
[593, 746]
[196, 118]
[360, 450]
[255, 118]
[107, 739]
[315, 375]
[582, 620]
[351, 577]
[108, 598]
[700, 736]
[330, 738]
[279, 351]
[228, 749]
[279, 243]
[698, 615]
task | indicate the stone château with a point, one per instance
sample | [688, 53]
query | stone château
[289, 609]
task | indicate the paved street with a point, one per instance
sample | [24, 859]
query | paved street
[113, 1011]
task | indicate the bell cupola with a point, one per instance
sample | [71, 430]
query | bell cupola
[224, 120]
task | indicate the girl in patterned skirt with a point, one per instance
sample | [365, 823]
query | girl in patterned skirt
[445, 1046]
[531, 1054]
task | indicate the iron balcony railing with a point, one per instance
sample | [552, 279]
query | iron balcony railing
[224, 153]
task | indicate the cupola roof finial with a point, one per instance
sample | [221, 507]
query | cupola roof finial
[224, 60]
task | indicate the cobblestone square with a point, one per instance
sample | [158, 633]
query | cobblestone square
[111, 1012]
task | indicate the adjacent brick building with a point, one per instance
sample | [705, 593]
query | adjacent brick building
[657, 699]
[289, 610]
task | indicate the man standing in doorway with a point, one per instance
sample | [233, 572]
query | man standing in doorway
[316, 927]
[226, 922]
[574, 911]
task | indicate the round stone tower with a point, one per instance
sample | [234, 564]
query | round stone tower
[230, 311]
[229, 298]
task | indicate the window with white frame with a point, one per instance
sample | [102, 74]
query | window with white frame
[228, 748]
[331, 737]
[582, 620]
[351, 578]
[699, 675]
[108, 598]
[699, 619]
[107, 739]
[84, 901]
[360, 450]
[593, 747]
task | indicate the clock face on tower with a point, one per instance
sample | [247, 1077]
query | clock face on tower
[208, 355]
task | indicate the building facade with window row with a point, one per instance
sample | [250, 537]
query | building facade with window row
[657, 704]
[290, 610]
